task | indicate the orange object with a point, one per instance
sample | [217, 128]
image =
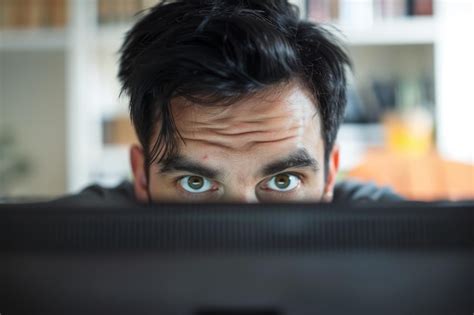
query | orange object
[426, 177]
[410, 133]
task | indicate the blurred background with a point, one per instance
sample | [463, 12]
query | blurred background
[408, 124]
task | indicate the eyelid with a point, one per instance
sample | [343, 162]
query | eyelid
[297, 175]
[213, 184]
[193, 174]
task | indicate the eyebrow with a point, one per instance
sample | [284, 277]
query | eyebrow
[298, 159]
[181, 163]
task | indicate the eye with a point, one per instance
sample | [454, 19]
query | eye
[283, 182]
[195, 184]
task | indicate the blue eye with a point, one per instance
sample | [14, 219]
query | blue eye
[195, 184]
[283, 182]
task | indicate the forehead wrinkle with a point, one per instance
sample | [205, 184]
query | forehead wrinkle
[235, 120]
[242, 133]
[270, 128]
[253, 110]
[238, 147]
[250, 122]
[248, 137]
[270, 122]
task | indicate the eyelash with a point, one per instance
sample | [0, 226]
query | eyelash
[283, 193]
[189, 194]
[300, 177]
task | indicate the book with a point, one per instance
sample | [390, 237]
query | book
[364, 12]
[32, 14]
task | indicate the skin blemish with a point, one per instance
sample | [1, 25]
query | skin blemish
[205, 157]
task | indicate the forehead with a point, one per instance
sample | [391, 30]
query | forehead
[278, 117]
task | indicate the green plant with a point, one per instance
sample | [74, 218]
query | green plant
[14, 166]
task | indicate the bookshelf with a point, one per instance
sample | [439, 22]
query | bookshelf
[400, 31]
[33, 14]
[89, 44]
[392, 45]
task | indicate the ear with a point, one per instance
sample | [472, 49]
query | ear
[333, 167]
[137, 161]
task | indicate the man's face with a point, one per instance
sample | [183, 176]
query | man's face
[264, 148]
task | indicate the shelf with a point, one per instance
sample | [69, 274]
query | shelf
[403, 31]
[40, 39]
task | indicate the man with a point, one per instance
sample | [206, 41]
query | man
[234, 101]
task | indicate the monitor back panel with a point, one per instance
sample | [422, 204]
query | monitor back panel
[237, 260]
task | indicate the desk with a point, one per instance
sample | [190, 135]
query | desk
[425, 177]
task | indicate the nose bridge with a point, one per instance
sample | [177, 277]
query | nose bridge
[240, 186]
[242, 195]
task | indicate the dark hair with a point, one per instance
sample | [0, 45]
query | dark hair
[215, 52]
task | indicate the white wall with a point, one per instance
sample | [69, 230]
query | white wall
[454, 79]
[32, 103]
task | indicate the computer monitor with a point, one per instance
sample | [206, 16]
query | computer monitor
[272, 259]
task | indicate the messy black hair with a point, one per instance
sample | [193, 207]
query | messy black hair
[215, 52]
